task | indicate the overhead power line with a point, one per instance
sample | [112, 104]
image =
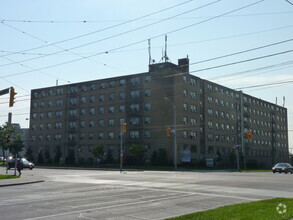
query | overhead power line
[244, 51]
[116, 35]
[137, 42]
[107, 28]
[242, 61]
[171, 45]
[267, 84]
[120, 20]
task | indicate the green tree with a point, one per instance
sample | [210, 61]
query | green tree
[137, 151]
[40, 158]
[98, 152]
[58, 155]
[29, 154]
[109, 158]
[48, 157]
[160, 157]
[6, 131]
[70, 159]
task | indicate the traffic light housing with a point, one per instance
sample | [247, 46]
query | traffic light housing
[7, 138]
[124, 127]
[168, 132]
[11, 99]
[249, 135]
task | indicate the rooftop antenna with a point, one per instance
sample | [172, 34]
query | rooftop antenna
[165, 56]
[150, 56]
[283, 101]
[56, 82]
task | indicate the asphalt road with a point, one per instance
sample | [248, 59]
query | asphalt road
[135, 195]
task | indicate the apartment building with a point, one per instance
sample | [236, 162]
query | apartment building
[210, 120]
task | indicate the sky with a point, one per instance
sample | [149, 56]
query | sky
[244, 45]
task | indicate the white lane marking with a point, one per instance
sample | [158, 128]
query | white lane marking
[136, 203]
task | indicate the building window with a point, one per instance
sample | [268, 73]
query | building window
[193, 135]
[58, 125]
[134, 120]
[122, 95]
[102, 98]
[147, 134]
[185, 120]
[193, 95]
[111, 135]
[72, 124]
[73, 101]
[185, 106]
[59, 114]
[101, 135]
[111, 122]
[122, 108]
[49, 114]
[102, 85]
[72, 113]
[83, 99]
[147, 79]
[101, 110]
[122, 82]
[50, 103]
[82, 124]
[148, 92]
[134, 107]
[93, 86]
[147, 120]
[185, 92]
[59, 102]
[82, 111]
[101, 122]
[193, 121]
[92, 123]
[193, 82]
[185, 134]
[147, 106]
[192, 108]
[59, 91]
[134, 134]
[134, 94]
[134, 80]
[111, 109]
[112, 83]
[73, 89]
[82, 136]
[92, 99]
[92, 111]
[112, 96]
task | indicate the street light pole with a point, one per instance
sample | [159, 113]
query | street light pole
[174, 131]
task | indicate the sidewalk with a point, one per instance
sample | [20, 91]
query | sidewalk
[25, 178]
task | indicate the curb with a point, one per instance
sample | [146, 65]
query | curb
[23, 183]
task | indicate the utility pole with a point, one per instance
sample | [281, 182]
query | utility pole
[121, 148]
[174, 131]
[242, 129]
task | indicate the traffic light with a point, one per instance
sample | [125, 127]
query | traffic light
[249, 135]
[7, 138]
[12, 94]
[124, 127]
[168, 132]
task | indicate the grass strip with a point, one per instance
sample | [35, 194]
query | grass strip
[4, 176]
[271, 209]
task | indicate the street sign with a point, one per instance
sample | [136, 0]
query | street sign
[4, 91]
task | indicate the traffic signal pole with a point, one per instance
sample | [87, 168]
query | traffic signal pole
[242, 129]
[121, 148]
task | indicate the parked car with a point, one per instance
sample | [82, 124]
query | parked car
[25, 162]
[283, 167]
